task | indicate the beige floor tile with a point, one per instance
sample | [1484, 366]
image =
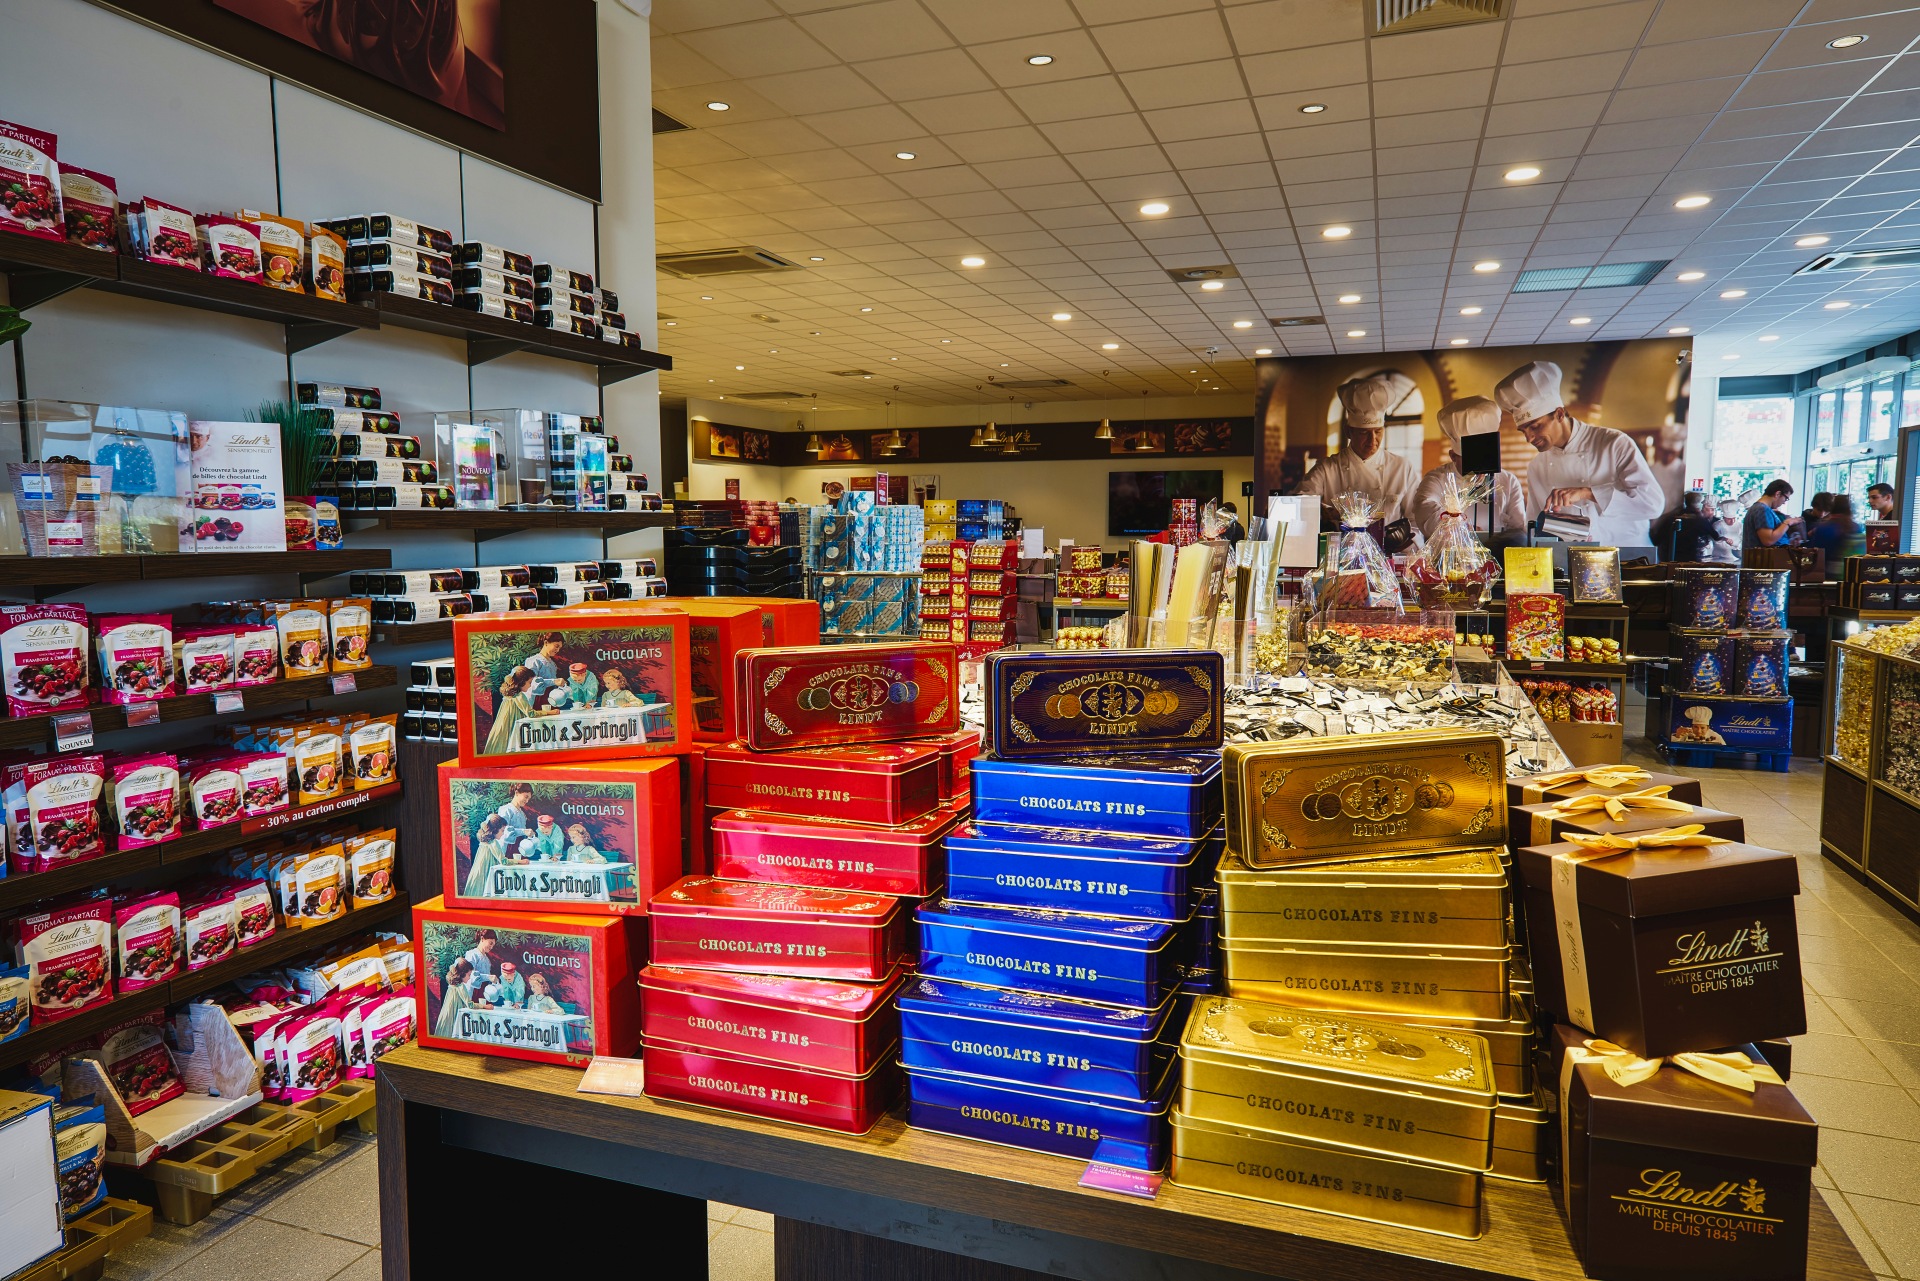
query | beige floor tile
[740, 1254]
[1870, 977]
[756, 1220]
[1878, 1020]
[1861, 1238]
[263, 1248]
[1901, 1058]
[168, 1245]
[1845, 1058]
[364, 1268]
[1865, 1109]
[1870, 1165]
[1895, 1229]
[1822, 1018]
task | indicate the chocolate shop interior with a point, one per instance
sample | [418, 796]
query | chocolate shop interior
[941, 638]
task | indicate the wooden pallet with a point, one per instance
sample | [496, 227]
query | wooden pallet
[1717, 757]
[90, 1239]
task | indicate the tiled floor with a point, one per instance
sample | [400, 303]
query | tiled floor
[1857, 1070]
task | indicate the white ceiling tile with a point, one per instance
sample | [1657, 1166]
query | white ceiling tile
[676, 66]
[1615, 26]
[1416, 53]
[759, 48]
[1031, 171]
[1575, 111]
[1320, 140]
[1734, 55]
[783, 136]
[879, 30]
[1072, 99]
[973, 21]
[926, 75]
[1164, 42]
[1241, 149]
[865, 124]
[1343, 103]
[1441, 92]
[1185, 86]
[1119, 162]
[1425, 158]
[1664, 101]
[1284, 24]
[1291, 73]
[691, 15]
[1324, 168]
[1000, 144]
[1430, 127]
[1073, 52]
[1070, 136]
[945, 181]
[965, 111]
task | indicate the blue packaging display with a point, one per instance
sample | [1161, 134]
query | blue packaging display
[1122, 1132]
[1029, 1039]
[1177, 796]
[15, 1010]
[1089, 958]
[80, 1143]
[1071, 871]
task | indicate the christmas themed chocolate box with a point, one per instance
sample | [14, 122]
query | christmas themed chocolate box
[704, 923]
[1602, 780]
[592, 838]
[780, 1091]
[529, 985]
[1149, 795]
[867, 858]
[886, 783]
[1446, 900]
[824, 1025]
[1365, 978]
[832, 694]
[1074, 871]
[1087, 958]
[1365, 796]
[1389, 1090]
[1086, 1127]
[1050, 702]
[575, 685]
[1031, 1039]
[1665, 947]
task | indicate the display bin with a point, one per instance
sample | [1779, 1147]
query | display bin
[122, 491]
[1870, 810]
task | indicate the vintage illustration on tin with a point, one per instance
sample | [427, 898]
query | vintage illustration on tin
[519, 989]
[550, 691]
[545, 842]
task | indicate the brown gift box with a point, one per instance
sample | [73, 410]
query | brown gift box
[1682, 948]
[1679, 1176]
[1522, 791]
[1539, 824]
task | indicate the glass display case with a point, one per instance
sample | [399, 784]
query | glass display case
[522, 458]
[1899, 766]
[1850, 713]
[92, 480]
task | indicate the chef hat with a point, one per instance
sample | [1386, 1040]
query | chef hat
[1531, 391]
[1468, 416]
[1673, 436]
[1364, 401]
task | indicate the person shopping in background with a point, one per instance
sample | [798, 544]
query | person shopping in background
[1591, 471]
[1880, 503]
[1840, 535]
[1364, 464]
[1766, 525]
[1690, 534]
[1468, 416]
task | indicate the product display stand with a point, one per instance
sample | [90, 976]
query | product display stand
[1869, 806]
[891, 1205]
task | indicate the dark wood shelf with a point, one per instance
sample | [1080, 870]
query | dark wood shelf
[32, 731]
[489, 337]
[38, 270]
[441, 631]
[496, 523]
[315, 319]
[20, 889]
[46, 1038]
[47, 575]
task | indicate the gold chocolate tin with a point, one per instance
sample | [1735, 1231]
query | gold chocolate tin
[1312, 1176]
[1440, 900]
[1509, 1040]
[1468, 982]
[1365, 796]
[1391, 1090]
[1522, 1139]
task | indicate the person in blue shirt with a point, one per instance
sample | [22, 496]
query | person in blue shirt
[1839, 534]
[1766, 524]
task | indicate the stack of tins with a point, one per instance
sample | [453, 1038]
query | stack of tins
[1048, 999]
[1372, 1058]
[773, 979]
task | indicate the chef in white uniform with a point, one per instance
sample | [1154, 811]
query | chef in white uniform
[1669, 467]
[1364, 464]
[1468, 416]
[1594, 471]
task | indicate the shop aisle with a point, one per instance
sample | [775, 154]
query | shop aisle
[1857, 1070]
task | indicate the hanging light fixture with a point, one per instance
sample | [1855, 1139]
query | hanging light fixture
[979, 438]
[990, 434]
[1011, 449]
[1142, 444]
[1104, 431]
[813, 443]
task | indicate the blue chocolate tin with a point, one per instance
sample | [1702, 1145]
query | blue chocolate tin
[1177, 796]
[1072, 871]
[1087, 958]
[1082, 1126]
[1029, 1039]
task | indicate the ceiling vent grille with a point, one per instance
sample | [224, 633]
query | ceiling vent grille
[1608, 275]
[767, 395]
[1390, 17]
[1295, 322]
[1029, 384]
[737, 260]
[664, 123]
[1863, 260]
[1189, 275]
[851, 373]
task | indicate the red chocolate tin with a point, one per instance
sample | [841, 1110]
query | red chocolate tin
[885, 783]
[776, 1091]
[704, 923]
[827, 694]
[788, 849]
[957, 751]
[822, 1025]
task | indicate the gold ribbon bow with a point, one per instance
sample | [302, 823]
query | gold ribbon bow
[1617, 807]
[1687, 836]
[1598, 776]
[1731, 1068]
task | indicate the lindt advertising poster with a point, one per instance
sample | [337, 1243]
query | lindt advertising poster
[239, 499]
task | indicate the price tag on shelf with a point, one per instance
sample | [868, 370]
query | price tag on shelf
[228, 701]
[608, 1075]
[345, 683]
[72, 732]
[139, 714]
[1118, 1178]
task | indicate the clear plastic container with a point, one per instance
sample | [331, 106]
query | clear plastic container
[92, 480]
[516, 439]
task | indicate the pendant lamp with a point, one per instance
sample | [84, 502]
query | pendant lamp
[1104, 431]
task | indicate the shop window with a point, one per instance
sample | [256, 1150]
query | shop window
[1752, 444]
[1853, 403]
[1824, 411]
[1880, 422]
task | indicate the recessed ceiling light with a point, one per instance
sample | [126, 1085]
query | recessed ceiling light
[1731, 355]
[1580, 320]
[1811, 242]
[1004, 364]
[706, 297]
[1460, 342]
[1690, 276]
[1336, 232]
[1693, 202]
[866, 309]
[1109, 346]
[1313, 108]
[1769, 337]
[1838, 306]
[717, 106]
[1524, 173]
[1154, 208]
[1349, 298]
[773, 351]
[1680, 329]
[813, 333]
[893, 357]
[1243, 324]
[904, 155]
[973, 262]
[739, 368]
[1193, 371]
[1039, 60]
[1063, 315]
[1263, 351]
[672, 323]
[1846, 42]
[1733, 293]
[1213, 286]
[1356, 333]
[1470, 311]
[816, 258]
[1488, 265]
[946, 340]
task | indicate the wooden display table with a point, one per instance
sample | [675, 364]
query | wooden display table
[589, 1177]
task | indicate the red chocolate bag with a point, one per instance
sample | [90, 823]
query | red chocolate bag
[386, 1023]
[90, 208]
[232, 246]
[68, 952]
[43, 658]
[63, 809]
[139, 1064]
[165, 233]
[253, 912]
[212, 929]
[29, 182]
[147, 942]
[136, 656]
[145, 799]
[311, 1052]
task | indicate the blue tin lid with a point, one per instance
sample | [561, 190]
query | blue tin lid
[924, 995]
[1055, 927]
[1076, 842]
[1158, 1100]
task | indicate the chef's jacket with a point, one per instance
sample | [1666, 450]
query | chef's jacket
[1626, 496]
[1673, 483]
[1386, 478]
[1508, 506]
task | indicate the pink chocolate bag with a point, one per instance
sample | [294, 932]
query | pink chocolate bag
[29, 182]
[146, 940]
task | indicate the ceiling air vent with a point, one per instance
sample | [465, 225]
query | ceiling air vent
[1029, 384]
[737, 260]
[1391, 17]
[1608, 275]
[767, 395]
[851, 373]
[1863, 260]
[1295, 322]
[664, 123]
[1192, 275]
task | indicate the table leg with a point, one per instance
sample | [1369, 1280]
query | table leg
[805, 1251]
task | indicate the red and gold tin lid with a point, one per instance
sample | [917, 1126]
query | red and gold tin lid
[859, 758]
[829, 998]
[820, 695]
[756, 901]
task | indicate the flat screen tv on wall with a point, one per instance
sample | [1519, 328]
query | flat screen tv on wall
[1141, 502]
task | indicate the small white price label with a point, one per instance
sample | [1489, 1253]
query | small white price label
[228, 701]
[345, 683]
[73, 732]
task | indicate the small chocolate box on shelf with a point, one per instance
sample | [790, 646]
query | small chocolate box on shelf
[543, 986]
[1048, 702]
[1665, 947]
[1680, 1175]
[814, 697]
[824, 1025]
[866, 858]
[886, 783]
[703, 923]
[1150, 794]
[719, 631]
[1704, 599]
[1601, 780]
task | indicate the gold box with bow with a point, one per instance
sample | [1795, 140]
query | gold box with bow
[1665, 941]
[1360, 978]
[1603, 780]
[1446, 900]
[1365, 796]
[1381, 1088]
[1600, 815]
